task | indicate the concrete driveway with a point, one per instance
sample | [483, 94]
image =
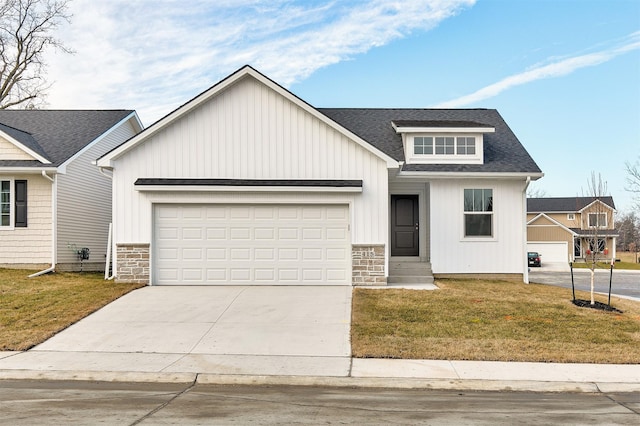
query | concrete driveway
[229, 329]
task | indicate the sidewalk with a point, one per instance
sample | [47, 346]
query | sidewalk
[319, 371]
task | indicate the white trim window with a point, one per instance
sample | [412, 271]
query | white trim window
[478, 213]
[597, 220]
[571, 216]
[6, 210]
[13, 203]
[444, 145]
[444, 148]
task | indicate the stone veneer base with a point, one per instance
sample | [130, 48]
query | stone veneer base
[133, 263]
[367, 264]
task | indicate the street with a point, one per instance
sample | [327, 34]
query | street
[624, 283]
[70, 403]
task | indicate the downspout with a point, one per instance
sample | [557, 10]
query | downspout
[525, 273]
[53, 226]
[110, 250]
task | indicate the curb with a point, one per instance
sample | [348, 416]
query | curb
[341, 382]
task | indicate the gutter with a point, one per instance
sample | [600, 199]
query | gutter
[110, 250]
[53, 226]
[525, 272]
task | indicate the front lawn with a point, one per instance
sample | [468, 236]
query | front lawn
[492, 320]
[34, 309]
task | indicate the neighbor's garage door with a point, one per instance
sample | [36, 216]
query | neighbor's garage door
[250, 244]
[552, 252]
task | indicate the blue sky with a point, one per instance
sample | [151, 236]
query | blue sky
[565, 74]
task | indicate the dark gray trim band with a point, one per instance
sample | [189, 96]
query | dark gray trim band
[249, 182]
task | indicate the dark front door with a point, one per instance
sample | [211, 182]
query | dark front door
[404, 225]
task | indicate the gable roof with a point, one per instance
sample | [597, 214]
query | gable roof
[503, 152]
[55, 135]
[244, 72]
[564, 204]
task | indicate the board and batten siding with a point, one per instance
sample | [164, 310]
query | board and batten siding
[451, 253]
[31, 245]
[249, 131]
[84, 202]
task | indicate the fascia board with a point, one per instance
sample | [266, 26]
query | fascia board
[468, 175]
[133, 116]
[23, 170]
[444, 129]
[23, 148]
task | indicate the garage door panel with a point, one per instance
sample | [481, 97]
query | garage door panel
[550, 252]
[269, 244]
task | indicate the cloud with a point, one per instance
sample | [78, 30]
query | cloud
[155, 55]
[558, 68]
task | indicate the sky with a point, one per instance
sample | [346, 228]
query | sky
[564, 74]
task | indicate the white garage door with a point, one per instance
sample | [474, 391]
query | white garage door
[552, 252]
[251, 244]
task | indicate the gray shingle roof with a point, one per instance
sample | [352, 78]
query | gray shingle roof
[56, 134]
[503, 152]
[563, 204]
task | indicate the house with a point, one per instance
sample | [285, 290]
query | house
[249, 184]
[54, 201]
[571, 228]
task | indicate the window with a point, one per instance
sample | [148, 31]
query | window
[444, 145]
[571, 216]
[423, 145]
[5, 203]
[13, 203]
[478, 212]
[466, 145]
[599, 248]
[597, 220]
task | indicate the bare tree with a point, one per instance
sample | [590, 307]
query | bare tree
[596, 189]
[536, 192]
[633, 180]
[26, 32]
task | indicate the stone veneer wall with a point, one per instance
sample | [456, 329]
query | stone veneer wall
[368, 264]
[133, 263]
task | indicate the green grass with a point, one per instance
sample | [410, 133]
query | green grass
[492, 320]
[34, 309]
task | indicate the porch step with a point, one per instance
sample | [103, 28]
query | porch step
[410, 272]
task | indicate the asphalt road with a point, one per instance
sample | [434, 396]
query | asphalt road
[71, 403]
[623, 283]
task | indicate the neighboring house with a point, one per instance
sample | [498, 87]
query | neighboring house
[54, 201]
[248, 184]
[569, 229]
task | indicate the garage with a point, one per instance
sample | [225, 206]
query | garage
[551, 252]
[239, 244]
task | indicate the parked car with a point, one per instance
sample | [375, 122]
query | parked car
[534, 258]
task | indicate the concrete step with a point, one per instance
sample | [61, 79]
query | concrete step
[409, 279]
[409, 268]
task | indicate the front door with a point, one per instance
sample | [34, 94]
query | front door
[404, 225]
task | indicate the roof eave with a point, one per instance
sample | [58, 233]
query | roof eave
[475, 175]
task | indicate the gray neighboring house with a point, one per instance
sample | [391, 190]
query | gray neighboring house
[53, 201]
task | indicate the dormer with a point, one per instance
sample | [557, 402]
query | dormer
[442, 142]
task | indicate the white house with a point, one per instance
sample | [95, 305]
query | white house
[53, 201]
[247, 183]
